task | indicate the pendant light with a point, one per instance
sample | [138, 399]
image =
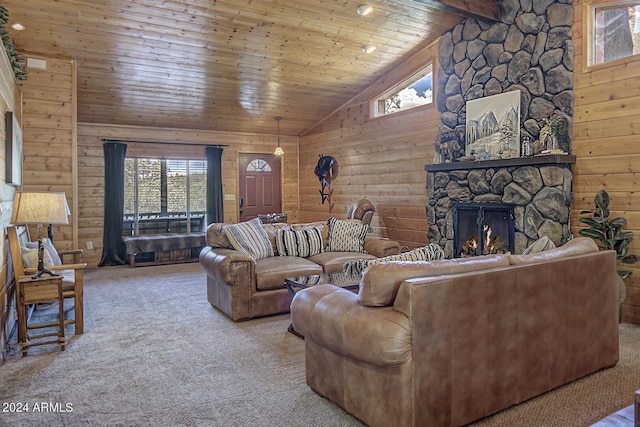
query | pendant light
[278, 151]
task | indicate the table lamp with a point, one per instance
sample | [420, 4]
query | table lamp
[38, 208]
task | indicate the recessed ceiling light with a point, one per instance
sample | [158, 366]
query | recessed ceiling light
[365, 9]
[368, 48]
[18, 26]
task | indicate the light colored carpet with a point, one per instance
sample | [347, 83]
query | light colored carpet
[155, 353]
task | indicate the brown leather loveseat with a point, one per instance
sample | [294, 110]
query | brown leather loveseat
[447, 342]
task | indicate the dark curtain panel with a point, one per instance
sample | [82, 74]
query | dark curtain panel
[113, 252]
[215, 211]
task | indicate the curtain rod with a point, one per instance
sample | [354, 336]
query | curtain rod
[105, 140]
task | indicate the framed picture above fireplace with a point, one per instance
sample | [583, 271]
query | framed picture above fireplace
[493, 127]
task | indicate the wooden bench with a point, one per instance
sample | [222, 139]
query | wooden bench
[166, 248]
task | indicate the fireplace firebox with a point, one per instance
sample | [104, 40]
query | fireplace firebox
[483, 228]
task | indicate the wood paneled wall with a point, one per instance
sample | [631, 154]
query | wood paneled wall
[380, 159]
[49, 138]
[10, 100]
[606, 125]
[91, 168]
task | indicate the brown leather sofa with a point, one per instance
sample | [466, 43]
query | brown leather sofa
[244, 288]
[448, 342]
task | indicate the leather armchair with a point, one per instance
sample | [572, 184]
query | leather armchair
[363, 210]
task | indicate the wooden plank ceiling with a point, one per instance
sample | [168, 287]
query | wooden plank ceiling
[228, 65]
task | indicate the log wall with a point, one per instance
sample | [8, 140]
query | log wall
[10, 100]
[380, 159]
[182, 144]
[49, 139]
[606, 124]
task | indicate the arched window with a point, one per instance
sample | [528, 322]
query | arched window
[258, 165]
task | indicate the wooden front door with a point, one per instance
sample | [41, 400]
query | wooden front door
[259, 185]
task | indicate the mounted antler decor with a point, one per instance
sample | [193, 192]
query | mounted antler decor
[324, 172]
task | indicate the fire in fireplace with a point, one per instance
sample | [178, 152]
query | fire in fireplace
[482, 228]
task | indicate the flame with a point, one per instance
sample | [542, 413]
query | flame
[490, 244]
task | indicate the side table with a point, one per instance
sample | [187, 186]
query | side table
[33, 291]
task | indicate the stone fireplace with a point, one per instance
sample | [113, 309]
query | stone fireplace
[482, 228]
[539, 188]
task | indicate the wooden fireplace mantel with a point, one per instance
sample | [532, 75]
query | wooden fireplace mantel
[551, 159]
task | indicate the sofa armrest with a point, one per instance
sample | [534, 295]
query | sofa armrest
[381, 246]
[332, 317]
[226, 265]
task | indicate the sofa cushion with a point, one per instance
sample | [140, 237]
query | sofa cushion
[346, 236]
[271, 272]
[577, 246]
[332, 262]
[322, 224]
[250, 238]
[542, 244]
[380, 283]
[301, 243]
[427, 253]
[216, 237]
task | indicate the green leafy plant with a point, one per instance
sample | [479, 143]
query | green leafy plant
[608, 232]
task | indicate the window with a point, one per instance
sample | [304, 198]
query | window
[614, 31]
[164, 196]
[258, 165]
[413, 92]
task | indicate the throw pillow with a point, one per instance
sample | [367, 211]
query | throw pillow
[30, 257]
[48, 246]
[346, 236]
[428, 253]
[540, 245]
[249, 237]
[300, 243]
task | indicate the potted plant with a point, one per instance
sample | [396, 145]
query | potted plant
[608, 232]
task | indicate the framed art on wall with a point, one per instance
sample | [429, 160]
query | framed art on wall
[493, 127]
[14, 150]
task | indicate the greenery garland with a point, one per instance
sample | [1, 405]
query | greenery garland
[15, 58]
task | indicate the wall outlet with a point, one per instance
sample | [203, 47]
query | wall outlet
[89, 245]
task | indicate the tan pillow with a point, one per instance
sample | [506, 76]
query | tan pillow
[380, 283]
[577, 246]
[30, 258]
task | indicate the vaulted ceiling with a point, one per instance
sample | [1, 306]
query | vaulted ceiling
[228, 65]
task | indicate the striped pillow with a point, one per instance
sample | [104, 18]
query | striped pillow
[430, 252]
[346, 236]
[249, 237]
[302, 243]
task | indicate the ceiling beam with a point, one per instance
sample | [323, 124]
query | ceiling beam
[483, 10]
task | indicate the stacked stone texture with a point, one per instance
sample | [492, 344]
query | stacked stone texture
[530, 50]
[541, 196]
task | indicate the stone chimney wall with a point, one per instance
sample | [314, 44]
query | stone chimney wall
[530, 50]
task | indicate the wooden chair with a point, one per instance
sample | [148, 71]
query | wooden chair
[72, 274]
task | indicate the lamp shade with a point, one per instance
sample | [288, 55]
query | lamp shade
[39, 208]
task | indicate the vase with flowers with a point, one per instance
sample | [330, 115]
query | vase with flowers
[549, 132]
